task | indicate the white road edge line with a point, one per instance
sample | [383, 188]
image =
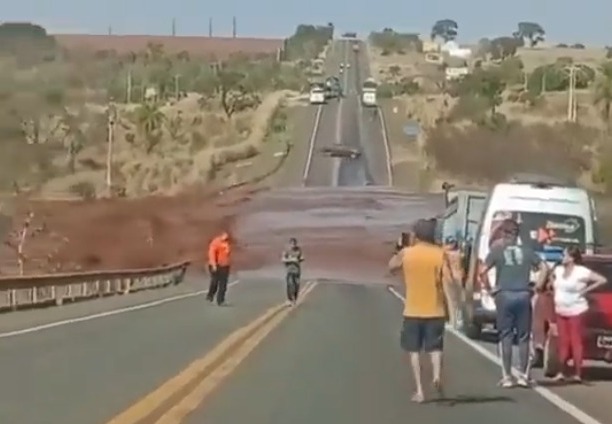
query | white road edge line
[383, 127]
[311, 145]
[105, 314]
[547, 394]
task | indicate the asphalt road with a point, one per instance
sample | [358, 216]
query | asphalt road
[345, 122]
[86, 372]
[337, 360]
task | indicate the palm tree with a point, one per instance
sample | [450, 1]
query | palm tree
[603, 92]
[150, 119]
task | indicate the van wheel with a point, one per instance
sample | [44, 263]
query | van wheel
[551, 364]
[472, 330]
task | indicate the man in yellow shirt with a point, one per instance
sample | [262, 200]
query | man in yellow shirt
[423, 264]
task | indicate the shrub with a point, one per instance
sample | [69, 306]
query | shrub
[84, 189]
[484, 154]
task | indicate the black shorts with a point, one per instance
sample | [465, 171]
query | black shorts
[422, 334]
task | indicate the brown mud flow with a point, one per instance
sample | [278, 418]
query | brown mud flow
[346, 233]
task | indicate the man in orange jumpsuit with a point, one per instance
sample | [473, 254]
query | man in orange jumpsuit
[219, 259]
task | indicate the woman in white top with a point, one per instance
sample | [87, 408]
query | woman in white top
[571, 282]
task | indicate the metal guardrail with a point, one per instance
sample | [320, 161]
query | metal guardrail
[18, 292]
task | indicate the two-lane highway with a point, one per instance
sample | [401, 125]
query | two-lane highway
[335, 358]
[338, 360]
[344, 122]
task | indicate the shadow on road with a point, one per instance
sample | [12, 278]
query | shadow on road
[592, 374]
[597, 373]
[470, 399]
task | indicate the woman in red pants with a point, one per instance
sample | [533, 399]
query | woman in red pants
[571, 282]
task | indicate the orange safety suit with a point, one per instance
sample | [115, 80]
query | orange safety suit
[219, 255]
[219, 251]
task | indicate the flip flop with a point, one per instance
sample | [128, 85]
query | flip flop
[437, 384]
[418, 397]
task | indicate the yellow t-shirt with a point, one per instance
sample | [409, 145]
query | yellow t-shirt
[422, 266]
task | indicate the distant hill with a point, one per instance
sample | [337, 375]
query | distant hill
[219, 47]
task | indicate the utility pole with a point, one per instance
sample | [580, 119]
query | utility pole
[572, 104]
[177, 77]
[110, 30]
[234, 27]
[109, 148]
[210, 27]
[174, 27]
[128, 94]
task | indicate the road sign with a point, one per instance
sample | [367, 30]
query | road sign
[412, 129]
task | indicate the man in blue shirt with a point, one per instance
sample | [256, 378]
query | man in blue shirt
[513, 263]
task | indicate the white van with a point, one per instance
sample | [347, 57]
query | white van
[552, 215]
[317, 96]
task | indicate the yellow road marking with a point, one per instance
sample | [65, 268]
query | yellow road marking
[148, 404]
[191, 401]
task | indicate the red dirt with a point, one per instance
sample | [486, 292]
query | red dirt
[120, 233]
[346, 235]
[219, 47]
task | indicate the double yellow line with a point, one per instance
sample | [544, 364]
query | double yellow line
[171, 402]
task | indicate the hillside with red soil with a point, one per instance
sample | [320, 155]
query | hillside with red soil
[218, 47]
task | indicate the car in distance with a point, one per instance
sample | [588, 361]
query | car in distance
[317, 95]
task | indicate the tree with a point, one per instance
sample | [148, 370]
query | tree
[395, 42]
[234, 92]
[28, 43]
[531, 31]
[603, 92]
[485, 84]
[445, 29]
[149, 119]
[307, 41]
[503, 47]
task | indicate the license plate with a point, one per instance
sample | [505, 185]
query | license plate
[604, 342]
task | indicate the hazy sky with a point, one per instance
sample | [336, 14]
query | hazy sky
[586, 21]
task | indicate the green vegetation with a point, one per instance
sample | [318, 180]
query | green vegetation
[446, 29]
[57, 104]
[308, 41]
[391, 42]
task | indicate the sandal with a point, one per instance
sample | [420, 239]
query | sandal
[418, 397]
[437, 385]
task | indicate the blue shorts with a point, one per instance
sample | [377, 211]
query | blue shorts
[422, 334]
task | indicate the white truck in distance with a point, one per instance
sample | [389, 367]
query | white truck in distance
[368, 92]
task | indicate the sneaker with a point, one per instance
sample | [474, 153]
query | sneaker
[524, 381]
[506, 382]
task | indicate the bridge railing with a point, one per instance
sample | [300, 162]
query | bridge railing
[17, 292]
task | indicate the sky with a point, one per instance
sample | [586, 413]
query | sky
[587, 21]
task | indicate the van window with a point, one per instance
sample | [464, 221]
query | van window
[450, 226]
[542, 229]
[475, 212]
